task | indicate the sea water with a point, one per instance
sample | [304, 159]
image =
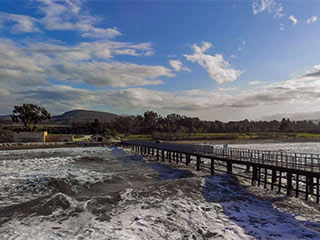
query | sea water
[112, 193]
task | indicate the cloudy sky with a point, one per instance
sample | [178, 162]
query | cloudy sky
[225, 60]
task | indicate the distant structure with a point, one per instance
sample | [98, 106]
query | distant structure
[97, 138]
[60, 138]
[30, 136]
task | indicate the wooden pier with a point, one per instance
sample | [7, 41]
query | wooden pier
[294, 173]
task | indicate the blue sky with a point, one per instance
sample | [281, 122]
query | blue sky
[225, 60]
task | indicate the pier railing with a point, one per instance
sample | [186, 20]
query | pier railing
[294, 172]
[299, 161]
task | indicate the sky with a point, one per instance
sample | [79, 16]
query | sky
[216, 60]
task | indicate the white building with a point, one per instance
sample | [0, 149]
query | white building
[97, 138]
[30, 136]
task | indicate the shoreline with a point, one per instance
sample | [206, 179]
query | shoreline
[42, 146]
[241, 141]
[27, 146]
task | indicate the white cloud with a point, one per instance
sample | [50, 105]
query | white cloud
[113, 74]
[177, 66]
[60, 15]
[271, 6]
[312, 20]
[219, 70]
[17, 67]
[87, 62]
[254, 82]
[69, 15]
[293, 19]
[281, 26]
[294, 95]
[23, 23]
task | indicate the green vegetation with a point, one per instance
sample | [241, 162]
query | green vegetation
[30, 114]
[225, 136]
[151, 125]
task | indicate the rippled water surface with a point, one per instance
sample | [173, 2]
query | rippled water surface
[112, 193]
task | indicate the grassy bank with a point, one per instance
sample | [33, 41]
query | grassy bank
[238, 137]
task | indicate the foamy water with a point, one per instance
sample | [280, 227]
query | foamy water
[110, 193]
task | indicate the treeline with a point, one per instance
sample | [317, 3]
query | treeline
[152, 123]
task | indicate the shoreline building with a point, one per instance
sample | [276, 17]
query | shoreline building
[25, 136]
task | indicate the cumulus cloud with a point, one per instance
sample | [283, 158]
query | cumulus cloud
[16, 66]
[219, 70]
[60, 15]
[293, 95]
[87, 62]
[177, 66]
[271, 6]
[113, 74]
[312, 20]
[293, 19]
[22, 23]
[255, 82]
[69, 15]
[315, 73]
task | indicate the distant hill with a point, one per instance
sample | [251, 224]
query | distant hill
[5, 116]
[83, 116]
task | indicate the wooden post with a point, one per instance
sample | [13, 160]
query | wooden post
[181, 157]
[297, 185]
[157, 154]
[307, 188]
[177, 158]
[169, 156]
[259, 175]
[289, 182]
[248, 167]
[229, 167]
[187, 159]
[162, 154]
[254, 175]
[212, 167]
[317, 189]
[198, 163]
[273, 178]
[280, 176]
[265, 177]
[311, 184]
[152, 151]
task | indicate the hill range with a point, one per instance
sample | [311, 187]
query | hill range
[74, 116]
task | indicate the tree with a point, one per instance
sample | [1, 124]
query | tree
[284, 125]
[30, 113]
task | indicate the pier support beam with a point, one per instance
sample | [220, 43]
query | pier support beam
[297, 185]
[162, 154]
[198, 163]
[254, 175]
[157, 154]
[212, 166]
[289, 183]
[273, 178]
[265, 177]
[187, 159]
[229, 167]
[280, 177]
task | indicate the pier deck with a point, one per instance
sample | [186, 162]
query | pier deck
[294, 172]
